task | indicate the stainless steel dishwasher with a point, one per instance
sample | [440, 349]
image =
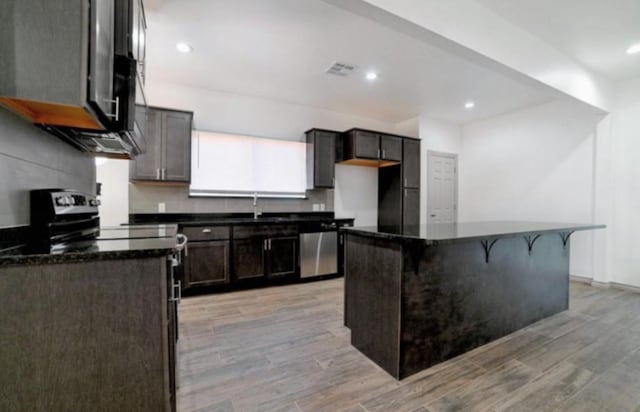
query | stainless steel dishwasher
[318, 249]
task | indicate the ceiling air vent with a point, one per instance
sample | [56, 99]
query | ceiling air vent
[340, 69]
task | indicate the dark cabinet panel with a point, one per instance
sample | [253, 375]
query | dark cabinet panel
[391, 148]
[283, 257]
[321, 158]
[366, 145]
[249, 258]
[411, 211]
[168, 157]
[411, 163]
[147, 166]
[389, 197]
[177, 146]
[207, 264]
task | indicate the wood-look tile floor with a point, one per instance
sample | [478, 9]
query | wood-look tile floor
[285, 349]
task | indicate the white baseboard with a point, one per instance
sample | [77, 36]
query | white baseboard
[580, 279]
[604, 285]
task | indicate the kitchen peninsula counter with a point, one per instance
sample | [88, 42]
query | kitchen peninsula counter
[417, 296]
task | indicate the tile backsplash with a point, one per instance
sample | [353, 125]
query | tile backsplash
[175, 199]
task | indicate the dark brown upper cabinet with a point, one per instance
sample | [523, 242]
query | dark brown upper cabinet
[321, 158]
[369, 148]
[411, 164]
[168, 156]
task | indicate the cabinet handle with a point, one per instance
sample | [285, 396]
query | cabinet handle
[117, 103]
[378, 153]
[269, 244]
[158, 173]
[207, 230]
[176, 297]
[405, 181]
[164, 172]
[383, 154]
[405, 192]
[264, 244]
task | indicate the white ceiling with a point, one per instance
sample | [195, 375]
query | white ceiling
[280, 49]
[596, 33]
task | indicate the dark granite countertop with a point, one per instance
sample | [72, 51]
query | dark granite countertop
[97, 250]
[464, 231]
[119, 242]
[222, 219]
[138, 232]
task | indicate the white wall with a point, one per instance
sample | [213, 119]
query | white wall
[436, 136]
[533, 164]
[623, 252]
[114, 176]
[233, 113]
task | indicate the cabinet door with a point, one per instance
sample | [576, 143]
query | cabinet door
[207, 264]
[411, 163]
[390, 148]
[177, 146]
[249, 258]
[324, 159]
[367, 144]
[283, 257]
[146, 166]
[411, 211]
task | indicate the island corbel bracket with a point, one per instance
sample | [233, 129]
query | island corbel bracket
[565, 237]
[487, 245]
[530, 241]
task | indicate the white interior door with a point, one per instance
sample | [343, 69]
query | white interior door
[442, 187]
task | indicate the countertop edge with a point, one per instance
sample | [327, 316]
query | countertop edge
[26, 260]
[413, 239]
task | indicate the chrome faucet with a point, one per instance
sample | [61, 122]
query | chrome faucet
[256, 213]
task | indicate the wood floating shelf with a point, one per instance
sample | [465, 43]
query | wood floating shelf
[52, 114]
[369, 163]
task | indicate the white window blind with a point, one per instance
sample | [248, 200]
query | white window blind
[234, 165]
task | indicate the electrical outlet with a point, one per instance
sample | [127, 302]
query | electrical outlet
[162, 207]
[316, 207]
[322, 207]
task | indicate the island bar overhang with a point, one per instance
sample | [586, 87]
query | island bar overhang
[412, 301]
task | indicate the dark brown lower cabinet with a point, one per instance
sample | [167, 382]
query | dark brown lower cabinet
[283, 257]
[207, 264]
[249, 258]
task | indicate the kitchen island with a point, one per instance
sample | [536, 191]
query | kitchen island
[412, 301]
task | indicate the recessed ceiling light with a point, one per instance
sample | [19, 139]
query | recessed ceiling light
[184, 47]
[635, 49]
[372, 76]
[469, 105]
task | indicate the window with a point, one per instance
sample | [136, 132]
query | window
[234, 165]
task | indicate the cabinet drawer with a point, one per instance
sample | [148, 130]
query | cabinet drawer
[194, 233]
[243, 232]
